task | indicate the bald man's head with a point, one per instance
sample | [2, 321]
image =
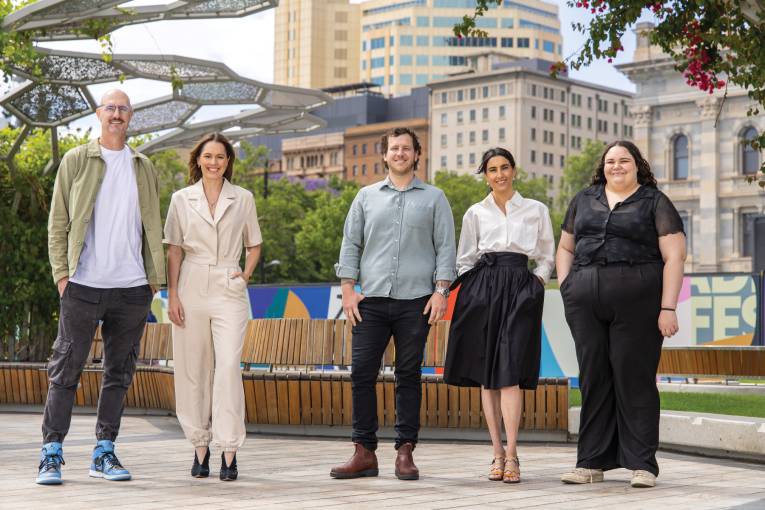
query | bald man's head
[114, 112]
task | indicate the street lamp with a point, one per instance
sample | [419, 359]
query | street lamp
[265, 265]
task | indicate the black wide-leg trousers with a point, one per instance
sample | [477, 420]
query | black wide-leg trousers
[613, 312]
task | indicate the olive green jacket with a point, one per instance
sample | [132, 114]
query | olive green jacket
[74, 196]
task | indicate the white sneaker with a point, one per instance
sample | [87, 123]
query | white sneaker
[583, 475]
[643, 479]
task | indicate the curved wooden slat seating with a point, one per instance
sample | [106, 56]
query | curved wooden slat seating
[297, 372]
[713, 361]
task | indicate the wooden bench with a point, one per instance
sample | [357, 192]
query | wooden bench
[297, 372]
[717, 361]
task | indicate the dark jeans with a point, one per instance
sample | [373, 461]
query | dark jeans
[123, 312]
[381, 318]
[613, 313]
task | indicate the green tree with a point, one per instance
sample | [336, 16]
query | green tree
[173, 175]
[461, 191]
[577, 174]
[318, 240]
[537, 188]
[28, 297]
[712, 42]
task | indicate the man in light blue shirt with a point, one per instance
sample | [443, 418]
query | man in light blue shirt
[398, 244]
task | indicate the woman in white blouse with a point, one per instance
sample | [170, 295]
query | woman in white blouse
[496, 329]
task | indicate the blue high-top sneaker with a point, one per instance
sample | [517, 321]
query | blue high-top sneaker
[105, 463]
[51, 458]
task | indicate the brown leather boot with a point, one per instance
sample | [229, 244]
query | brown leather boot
[405, 468]
[362, 463]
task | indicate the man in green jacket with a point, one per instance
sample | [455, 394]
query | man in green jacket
[105, 248]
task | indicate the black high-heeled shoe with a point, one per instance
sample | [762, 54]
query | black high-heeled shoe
[228, 473]
[201, 470]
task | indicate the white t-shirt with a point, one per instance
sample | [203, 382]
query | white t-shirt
[112, 252]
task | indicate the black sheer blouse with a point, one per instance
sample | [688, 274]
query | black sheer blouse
[628, 233]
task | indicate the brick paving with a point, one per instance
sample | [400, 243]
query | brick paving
[278, 472]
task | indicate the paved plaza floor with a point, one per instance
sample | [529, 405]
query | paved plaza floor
[278, 472]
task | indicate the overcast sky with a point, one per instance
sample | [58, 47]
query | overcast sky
[246, 45]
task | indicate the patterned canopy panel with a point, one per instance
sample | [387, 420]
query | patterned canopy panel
[52, 12]
[221, 92]
[67, 8]
[229, 6]
[160, 116]
[164, 70]
[76, 70]
[49, 103]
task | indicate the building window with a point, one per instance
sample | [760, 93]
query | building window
[459, 117]
[750, 157]
[472, 94]
[404, 60]
[533, 112]
[502, 134]
[524, 42]
[506, 42]
[422, 60]
[377, 168]
[444, 141]
[534, 90]
[485, 136]
[405, 40]
[562, 118]
[562, 161]
[460, 95]
[485, 92]
[680, 157]
[423, 21]
[405, 79]
[471, 137]
[421, 79]
[355, 170]
[459, 139]
[747, 233]
[377, 42]
[364, 169]
[378, 62]
[471, 158]
[363, 148]
[444, 118]
[472, 116]
[459, 160]
[533, 157]
[444, 95]
[423, 40]
[501, 112]
[485, 114]
[354, 150]
[533, 135]
[443, 161]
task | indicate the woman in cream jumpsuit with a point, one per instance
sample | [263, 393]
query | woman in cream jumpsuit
[207, 224]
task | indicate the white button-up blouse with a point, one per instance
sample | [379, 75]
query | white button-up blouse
[526, 229]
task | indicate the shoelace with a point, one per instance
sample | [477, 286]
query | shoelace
[51, 461]
[109, 461]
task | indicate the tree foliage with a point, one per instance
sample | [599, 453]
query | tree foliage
[28, 297]
[712, 42]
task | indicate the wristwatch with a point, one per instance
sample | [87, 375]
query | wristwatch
[444, 291]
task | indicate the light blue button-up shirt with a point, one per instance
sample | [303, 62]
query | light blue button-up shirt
[398, 243]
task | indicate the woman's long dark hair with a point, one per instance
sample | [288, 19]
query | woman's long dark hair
[495, 151]
[644, 175]
[195, 173]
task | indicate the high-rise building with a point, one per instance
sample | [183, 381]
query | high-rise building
[401, 44]
[408, 43]
[516, 104]
[697, 145]
[316, 43]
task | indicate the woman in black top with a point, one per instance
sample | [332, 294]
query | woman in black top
[620, 263]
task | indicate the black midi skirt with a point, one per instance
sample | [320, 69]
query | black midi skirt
[495, 337]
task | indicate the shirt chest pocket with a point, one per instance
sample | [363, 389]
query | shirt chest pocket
[419, 216]
[524, 234]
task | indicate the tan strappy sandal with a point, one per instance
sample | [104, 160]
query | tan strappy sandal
[512, 472]
[497, 469]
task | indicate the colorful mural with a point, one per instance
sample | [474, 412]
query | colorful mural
[712, 310]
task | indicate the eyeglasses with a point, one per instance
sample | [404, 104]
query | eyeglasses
[111, 108]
